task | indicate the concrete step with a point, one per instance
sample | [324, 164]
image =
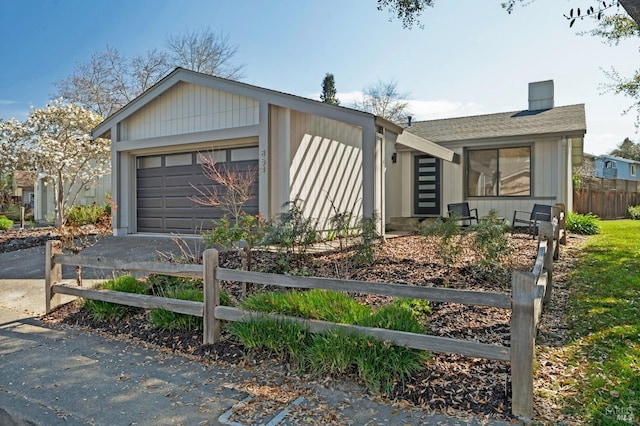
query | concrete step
[403, 224]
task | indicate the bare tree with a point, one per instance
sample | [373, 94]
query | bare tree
[206, 52]
[230, 188]
[384, 100]
[109, 80]
[147, 70]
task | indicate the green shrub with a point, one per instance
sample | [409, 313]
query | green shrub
[491, 241]
[89, 214]
[379, 364]
[634, 212]
[102, 311]
[366, 250]
[292, 230]
[585, 224]
[449, 237]
[5, 224]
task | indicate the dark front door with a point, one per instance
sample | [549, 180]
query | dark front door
[426, 185]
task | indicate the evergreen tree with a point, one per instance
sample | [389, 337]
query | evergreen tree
[328, 95]
[627, 149]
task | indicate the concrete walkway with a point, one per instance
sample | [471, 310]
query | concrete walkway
[67, 376]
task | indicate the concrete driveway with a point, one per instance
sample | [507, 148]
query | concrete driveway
[22, 271]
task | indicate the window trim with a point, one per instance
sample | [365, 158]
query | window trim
[497, 149]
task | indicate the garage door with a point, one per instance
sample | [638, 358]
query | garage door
[164, 187]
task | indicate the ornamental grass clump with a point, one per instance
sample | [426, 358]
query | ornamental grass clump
[181, 289]
[107, 311]
[585, 224]
[378, 364]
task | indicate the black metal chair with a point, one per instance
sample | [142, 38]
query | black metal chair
[539, 213]
[462, 212]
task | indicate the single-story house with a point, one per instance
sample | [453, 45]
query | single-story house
[333, 159]
[612, 167]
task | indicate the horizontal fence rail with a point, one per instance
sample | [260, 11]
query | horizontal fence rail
[530, 290]
[498, 300]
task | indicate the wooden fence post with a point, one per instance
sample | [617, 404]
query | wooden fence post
[522, 344]
[211, 325]
[548, 231]
[52, 275]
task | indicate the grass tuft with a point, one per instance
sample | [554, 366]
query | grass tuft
[379, 364]
[107, 311]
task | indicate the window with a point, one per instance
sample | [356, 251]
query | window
[633, 170]
[500, 172]
[178, 160]
[610, 165]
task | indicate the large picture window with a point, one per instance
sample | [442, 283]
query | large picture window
[499, 172]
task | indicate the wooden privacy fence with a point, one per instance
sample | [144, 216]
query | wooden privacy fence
[606, 198]
[530, 290]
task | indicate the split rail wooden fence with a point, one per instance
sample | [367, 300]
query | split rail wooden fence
[530, 290]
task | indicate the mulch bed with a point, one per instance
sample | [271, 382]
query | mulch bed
[449, 384]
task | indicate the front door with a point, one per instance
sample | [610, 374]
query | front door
[426, 185]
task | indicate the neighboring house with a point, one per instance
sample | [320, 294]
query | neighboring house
[508, 161]
[611, 167]
[43, 202]
[332, 158]
[23, 187]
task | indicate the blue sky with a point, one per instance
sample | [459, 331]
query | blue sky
[470, 58]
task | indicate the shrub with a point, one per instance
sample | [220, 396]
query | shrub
[379, 364]
[585, 224]
[5, 224]
[366, 250]
[449, 237]
[634, 212]
[248, 229]
[492, 242]
[292, 231]
[89, 214]
[102, 311]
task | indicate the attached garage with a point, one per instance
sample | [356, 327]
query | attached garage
[330, 157]
[167, 183]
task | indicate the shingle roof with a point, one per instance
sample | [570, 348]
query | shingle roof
[564, 119]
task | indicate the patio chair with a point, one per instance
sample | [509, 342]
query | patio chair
[539, 213]
[462, 212]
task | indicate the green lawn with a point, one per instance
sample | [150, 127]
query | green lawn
[604, 317]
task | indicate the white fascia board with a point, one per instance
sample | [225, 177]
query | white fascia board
[423, 145]
[342, 114]
[285, 100]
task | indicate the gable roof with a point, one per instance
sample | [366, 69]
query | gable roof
[565, 120]
[286, 100]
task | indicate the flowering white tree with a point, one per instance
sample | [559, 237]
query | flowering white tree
[55, 142]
